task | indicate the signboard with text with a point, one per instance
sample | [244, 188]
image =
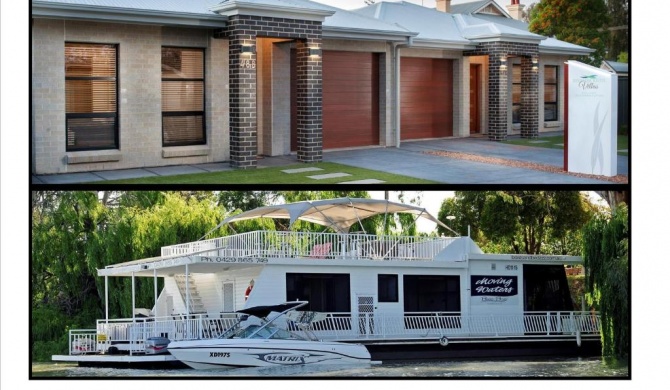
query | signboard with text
[591, 120]
[486, 289]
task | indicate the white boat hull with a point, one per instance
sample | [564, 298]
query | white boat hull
[229, 353]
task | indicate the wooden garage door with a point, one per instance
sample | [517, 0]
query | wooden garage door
[350, 99]
[426, 87]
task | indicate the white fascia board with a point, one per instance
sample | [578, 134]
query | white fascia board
[369, 35]
[565, 51]
[354, 263]
[242, 8]
[534, 259]
[125, 15]
[438, 44]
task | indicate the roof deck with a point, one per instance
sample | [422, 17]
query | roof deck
[291, 244]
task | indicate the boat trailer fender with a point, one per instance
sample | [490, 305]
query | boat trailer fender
[444, 341]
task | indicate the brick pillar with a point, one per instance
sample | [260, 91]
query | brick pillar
[309, 99]
[498, 97]
[529, 98]
[242, 95]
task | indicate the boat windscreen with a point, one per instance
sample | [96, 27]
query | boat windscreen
[264, 311]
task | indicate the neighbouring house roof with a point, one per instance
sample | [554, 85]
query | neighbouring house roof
[475, 7]
[620, 68]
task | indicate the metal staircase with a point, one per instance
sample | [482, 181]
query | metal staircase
[195, 302]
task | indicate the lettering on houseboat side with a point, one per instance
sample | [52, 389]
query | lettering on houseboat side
[535, 257]
[248, 260]
[219, 354]
[494, 286]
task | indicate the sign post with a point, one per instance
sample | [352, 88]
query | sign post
[590, 120]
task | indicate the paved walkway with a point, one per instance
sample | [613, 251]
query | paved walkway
[409, 160]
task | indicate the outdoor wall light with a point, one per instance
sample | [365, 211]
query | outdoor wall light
[314, 52]
[534, 61]
[503, 61]
[248, 49]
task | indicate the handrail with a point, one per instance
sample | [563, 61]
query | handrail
[290, 244]
[347, 326]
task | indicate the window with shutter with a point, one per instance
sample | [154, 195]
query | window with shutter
[183, 96]
[91, 117]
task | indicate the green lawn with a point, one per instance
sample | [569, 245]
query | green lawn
[276, 176]
[556, 142]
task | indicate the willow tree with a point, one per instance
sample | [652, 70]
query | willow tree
[605, 251]
[76, 233]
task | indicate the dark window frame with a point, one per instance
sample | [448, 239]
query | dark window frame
[87, 115]
[553, 104]
[384, 293]
[202, 113]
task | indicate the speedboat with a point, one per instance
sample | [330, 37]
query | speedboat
[257, 340]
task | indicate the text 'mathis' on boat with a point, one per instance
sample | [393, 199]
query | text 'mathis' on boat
[403, 297]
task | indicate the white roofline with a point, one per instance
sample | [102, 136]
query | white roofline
[334, 32]
[125, 15]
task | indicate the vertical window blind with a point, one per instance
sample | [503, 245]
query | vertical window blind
[183, 96]
[516, 93]
[91, 119]
[551, 93]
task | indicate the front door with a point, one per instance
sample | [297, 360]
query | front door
[366, 311]
[475, 85]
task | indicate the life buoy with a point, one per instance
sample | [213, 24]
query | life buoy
[444, 341]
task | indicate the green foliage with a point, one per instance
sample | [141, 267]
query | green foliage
[607, 279]
[76, 233]
[532, 222]
[581, 22]
[622, 57]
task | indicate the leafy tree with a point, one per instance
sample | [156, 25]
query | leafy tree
[531, 222]
[76, 233]
[606, 259]
[582, 22]
[618, 31]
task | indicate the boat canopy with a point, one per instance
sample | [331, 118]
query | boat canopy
[339, 214]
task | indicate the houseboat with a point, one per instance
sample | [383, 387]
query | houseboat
[403, 297]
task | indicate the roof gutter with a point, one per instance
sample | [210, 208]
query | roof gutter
[125, 15]
[396, 73]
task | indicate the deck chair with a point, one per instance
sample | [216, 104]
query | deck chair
[320, 251]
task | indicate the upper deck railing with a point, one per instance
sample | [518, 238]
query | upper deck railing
[287, 244]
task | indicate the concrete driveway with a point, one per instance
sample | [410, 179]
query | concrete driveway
[410, 160]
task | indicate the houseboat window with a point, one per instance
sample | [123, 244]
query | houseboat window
[325, 292]
[91, 120]
[516, 93]
[546, 288]
[387, 288]
[183, 96]
[432, 293]
[551, 93]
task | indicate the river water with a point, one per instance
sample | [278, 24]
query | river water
[554, 368]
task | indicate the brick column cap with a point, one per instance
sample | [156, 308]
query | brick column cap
[273, 8]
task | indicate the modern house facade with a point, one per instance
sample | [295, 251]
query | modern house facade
[139, 83]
